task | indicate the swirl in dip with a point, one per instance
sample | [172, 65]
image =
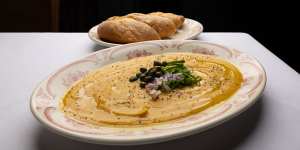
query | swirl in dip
[106, 97]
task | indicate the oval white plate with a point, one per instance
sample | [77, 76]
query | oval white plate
[190, 30]
[45, 98]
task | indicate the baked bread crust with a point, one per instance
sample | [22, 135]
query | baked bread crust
[177, 19]
[126, 30]
[163, 26]
[136, 27]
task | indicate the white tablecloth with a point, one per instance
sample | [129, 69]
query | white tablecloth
[27, 58]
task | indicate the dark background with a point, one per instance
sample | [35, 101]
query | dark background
[272, 23]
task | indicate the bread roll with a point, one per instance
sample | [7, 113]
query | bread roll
[177, 19]
[126, 30]
[164, 26]
[114, 17]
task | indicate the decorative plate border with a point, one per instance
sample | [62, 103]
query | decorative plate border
[45, 98]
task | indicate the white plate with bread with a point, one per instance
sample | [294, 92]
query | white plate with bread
[137, 27]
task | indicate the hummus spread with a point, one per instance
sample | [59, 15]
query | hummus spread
[106, 97]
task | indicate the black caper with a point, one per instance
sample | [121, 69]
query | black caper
[157, 63]
[164, 63]
[133, 78]
[158, 74]
[149, 78]
[142, 70]
[142, 84]
[138, 75]
[151, 71]
[158, 68]
[142, 76]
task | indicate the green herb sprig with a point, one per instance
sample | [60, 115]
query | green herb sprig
[177, 67]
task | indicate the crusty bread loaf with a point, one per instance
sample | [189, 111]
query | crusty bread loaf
[136, 27]
[177, 19]
[115, 17]
[163, 26]
[126, 30]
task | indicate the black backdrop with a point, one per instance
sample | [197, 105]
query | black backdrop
[270, 22]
